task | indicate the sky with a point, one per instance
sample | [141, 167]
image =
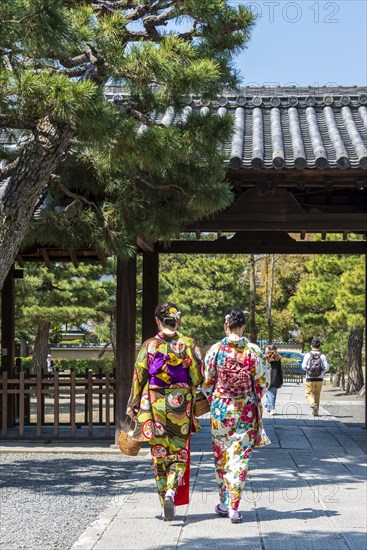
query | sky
[306, 43]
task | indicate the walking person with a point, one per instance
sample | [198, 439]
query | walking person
[235, 380]
[315, 364]
[167, 371]
[276, 377]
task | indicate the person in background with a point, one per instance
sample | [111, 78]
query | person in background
[167, 371]
[276, 377]
[315, 364]
[50, 364]
[235, 379]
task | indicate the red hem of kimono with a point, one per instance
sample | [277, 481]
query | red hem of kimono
[182, 495]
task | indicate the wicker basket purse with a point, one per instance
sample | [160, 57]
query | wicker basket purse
[201, 404]
[128, 445]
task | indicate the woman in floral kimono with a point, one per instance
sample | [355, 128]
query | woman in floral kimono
[167, 371]
[235, 380]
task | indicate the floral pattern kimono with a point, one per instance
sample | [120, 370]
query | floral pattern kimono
[167, 371]
[235, 379]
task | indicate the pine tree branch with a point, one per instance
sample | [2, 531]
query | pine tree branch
[7, 170]
[141, 117]
[71, 62]
[77, 198]
[7, 121]
[140, 177]
[47, 5]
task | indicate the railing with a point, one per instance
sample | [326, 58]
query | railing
[57, 405]
[292, 372]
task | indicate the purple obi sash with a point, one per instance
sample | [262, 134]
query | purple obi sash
[174, 374]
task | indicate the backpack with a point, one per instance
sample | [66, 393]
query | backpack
[314, 368]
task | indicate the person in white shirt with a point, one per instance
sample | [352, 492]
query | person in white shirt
[315, 364]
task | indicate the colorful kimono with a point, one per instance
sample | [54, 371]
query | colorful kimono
[167, 371]
[235, 379]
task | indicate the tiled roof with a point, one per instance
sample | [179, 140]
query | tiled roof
[302, 128]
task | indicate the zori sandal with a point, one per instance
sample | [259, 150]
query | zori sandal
[235, 516]
[221, 510]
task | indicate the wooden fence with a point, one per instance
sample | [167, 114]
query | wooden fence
[292, 372]
[48, 402]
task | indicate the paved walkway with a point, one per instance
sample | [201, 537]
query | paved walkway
[306, 491]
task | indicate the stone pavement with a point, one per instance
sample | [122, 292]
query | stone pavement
[305, 491]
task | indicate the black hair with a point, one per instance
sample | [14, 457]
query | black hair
[162, 311]
[315, 343]
[235, 318]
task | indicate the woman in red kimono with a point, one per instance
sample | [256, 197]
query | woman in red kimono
[167, 371]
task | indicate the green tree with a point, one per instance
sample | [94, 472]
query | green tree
[50, 297]
[278, 277]
[329, 303]
[117, 169]
[204, 287]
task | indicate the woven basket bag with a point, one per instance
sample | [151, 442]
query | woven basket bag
[128, 445]
[201, 404]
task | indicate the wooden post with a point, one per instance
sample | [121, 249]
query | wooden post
[39, 404]
[150, 293]
[21, 404]
[4, 411]
[8, 337]
[56, 403]
[125, 336]
[365, 328]
[107, 432]
[72, 403]
[90, 403]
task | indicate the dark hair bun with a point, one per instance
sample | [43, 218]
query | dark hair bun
[168, 314]
[235, 318]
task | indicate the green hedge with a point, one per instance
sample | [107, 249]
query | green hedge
[79, 365]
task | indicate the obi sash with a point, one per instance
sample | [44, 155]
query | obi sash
[234, 376]
[164, 374]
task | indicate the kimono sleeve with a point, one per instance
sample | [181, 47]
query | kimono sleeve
[210, 370]
[140, 378]
[196, 367]
[261, 373]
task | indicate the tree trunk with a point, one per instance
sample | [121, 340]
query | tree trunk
[37, 161]
[336, 379]
[355, 374]
[39, 360]
[252, 276]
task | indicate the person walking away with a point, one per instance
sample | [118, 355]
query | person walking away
[167, 371]
[315, 364]
[235, 379]
[276, 377]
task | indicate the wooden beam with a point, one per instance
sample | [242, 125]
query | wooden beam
[290, 223]
[19, 261]
[102, 257]
[150, 293]
[46, 257]
[270, 246]
[145, 244]
[74, 258]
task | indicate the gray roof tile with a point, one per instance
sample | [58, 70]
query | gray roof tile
[302, 128]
